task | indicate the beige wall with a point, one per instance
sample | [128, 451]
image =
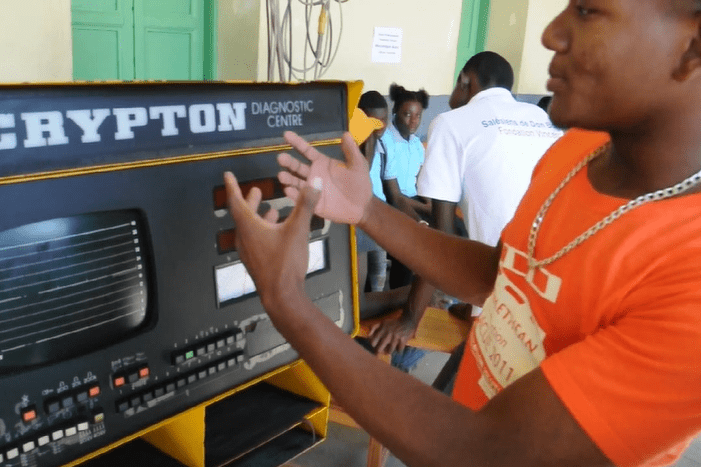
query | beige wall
[506, 31]
[35, 38]
[238, 30]
[430, 33]
[536, 58]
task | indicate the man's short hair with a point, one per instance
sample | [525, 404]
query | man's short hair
[492, 70]
[372, 100]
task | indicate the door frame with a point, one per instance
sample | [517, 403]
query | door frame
[474, 22]
[210, 56]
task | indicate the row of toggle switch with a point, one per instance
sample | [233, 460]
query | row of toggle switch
[66, 400]
[136, 400]
[130, 376]
[206, 347]
[55, 434]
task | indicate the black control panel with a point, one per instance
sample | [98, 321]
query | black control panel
[123, 301]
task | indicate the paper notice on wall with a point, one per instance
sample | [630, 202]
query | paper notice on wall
[387, 45]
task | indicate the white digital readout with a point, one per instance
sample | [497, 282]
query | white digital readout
[233, 281]
[317, 256]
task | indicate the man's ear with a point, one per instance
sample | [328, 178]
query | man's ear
[462, 81]
[690, 62]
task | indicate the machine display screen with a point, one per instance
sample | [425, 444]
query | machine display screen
[70, 285]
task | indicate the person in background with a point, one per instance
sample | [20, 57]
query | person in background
[372, 259]
[544, 102]
[405, 152]
[405, 155]
[588, 348]
[481, 157]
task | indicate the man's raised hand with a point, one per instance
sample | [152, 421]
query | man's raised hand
[346, 186]
[275, 254]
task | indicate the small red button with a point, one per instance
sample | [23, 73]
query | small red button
[143, 372]
[29, 415]
[94, 391]
[119, 381]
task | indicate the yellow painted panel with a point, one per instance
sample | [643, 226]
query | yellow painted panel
[182, 438]
[320, 421]
[355, 90]
[300, 380]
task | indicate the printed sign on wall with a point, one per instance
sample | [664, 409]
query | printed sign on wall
[387, 45]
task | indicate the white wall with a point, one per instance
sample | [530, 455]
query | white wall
[35, 38]
[430, 34]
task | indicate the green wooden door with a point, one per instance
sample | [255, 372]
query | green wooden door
[143, 39]
[169, 38]
[103, 39]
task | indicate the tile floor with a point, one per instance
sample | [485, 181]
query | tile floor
[347, 447]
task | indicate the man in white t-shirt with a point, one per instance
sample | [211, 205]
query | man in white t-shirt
[480, 157]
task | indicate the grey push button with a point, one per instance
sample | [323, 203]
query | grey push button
[122, 406]
[82, 396]
[53, 406]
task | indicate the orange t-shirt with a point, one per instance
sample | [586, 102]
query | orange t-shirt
[614, 324]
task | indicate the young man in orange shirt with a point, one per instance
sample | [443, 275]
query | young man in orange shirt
[588, 350]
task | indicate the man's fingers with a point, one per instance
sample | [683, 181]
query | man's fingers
[234, 196]
[373, 329]
[254, 197]
[292, 193]
[293, 164]
[375, 338]
[287, 179]
[384, 345]
[354, 157]
[272, 216]
[301, 145]
[306, 203]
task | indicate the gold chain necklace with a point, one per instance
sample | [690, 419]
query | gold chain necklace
[629, 206]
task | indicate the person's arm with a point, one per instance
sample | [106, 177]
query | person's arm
[443, 216]
[525, 425]
[422, 206]
[392, 334]
[411, 207]
[368, 148]
[397, 199]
